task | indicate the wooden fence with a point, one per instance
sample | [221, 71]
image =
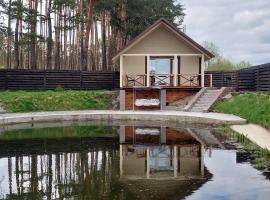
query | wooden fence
[223, 79]
[44, 79]
[252, 78]
[256, 78]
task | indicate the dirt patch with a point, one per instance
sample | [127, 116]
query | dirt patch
[114, 95]
[181, 103]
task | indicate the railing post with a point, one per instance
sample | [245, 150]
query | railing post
[202, 71]
[148, 72]
[121, 71]
[175, 70]
[211, 80]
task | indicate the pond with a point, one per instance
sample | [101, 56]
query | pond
[125, 162]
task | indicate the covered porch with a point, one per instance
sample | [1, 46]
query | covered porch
[164, 70]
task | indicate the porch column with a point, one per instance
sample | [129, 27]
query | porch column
[121, 71]
[175, 161]
[202, 71]
[121, 160]
[147, 163]
[202, 160]
[148, 72]
[175, 73]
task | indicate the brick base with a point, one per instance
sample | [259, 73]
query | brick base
[172, 94]
[172, 136]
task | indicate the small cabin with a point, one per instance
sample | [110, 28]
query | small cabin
[160, 66]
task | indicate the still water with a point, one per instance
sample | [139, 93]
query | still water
[124, 162]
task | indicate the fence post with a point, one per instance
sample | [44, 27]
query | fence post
[44, 79]
[80, 79]
[211, 80]
[237, 80]
[113, 84]
[6, 80]
[222, 79]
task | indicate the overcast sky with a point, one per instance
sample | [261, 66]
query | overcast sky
[240, 28]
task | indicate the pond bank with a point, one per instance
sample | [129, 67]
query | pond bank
[165, 116]
[255, 133]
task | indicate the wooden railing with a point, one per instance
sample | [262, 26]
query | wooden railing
[161, 79]
[135, 80]
[183, 80]
[189, 80]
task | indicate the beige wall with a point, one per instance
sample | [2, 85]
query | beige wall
[133, 65]
[189, 65]
[133, 166]
[161, 41]
[189, 160]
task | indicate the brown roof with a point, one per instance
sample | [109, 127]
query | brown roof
[170, 25]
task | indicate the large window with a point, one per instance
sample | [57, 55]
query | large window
[160, 71]
[161, 65]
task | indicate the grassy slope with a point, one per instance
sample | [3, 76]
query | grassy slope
[255, 107]
[22, 101]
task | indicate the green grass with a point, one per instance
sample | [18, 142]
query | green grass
[254, 107]
[57, 133]
[55, 100]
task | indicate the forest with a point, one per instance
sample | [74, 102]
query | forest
[75, 34]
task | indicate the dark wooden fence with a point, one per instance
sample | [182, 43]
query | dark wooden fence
[223, 79]
[44, 79]
[256, 78]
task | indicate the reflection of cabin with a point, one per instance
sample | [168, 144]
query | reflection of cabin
[159, 153]
[164, 57]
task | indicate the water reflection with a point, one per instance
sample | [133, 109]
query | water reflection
[96, 168]
[153, 162]
[159, 153]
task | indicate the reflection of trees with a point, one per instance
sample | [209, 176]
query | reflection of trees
[84, 175]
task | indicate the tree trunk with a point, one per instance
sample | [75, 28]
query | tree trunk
[91, 4]
[9, 37]
[57, 39]
[81, 35]
[108, 39]
[16, 44]
[49, 39]
[103, 40]
[21, 58]
[33, 22]
[96, 47]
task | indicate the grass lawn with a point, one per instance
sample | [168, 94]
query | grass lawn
[56, 100]
[255, 107]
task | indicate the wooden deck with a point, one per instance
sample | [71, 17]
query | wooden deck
[165, 87]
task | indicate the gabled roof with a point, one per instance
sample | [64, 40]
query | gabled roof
[170, 27]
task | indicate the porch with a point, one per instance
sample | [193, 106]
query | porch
[166, 71]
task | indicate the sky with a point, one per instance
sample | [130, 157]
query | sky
[240, 28]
